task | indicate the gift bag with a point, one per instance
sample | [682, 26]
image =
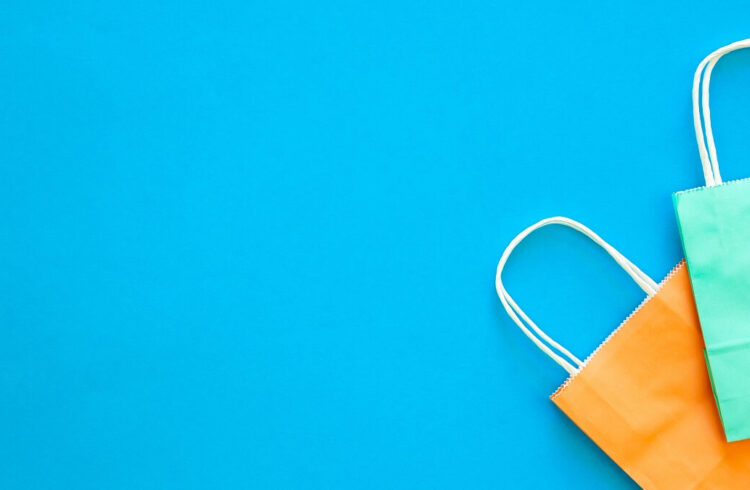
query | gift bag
[643, 396]
[714, 223]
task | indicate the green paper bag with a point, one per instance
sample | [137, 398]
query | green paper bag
[714, 223]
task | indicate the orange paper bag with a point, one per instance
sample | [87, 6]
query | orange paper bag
[644, 396]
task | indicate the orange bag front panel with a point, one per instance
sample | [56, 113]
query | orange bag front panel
[645, 398]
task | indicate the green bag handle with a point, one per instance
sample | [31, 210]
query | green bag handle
[706, 146]
[572, 364]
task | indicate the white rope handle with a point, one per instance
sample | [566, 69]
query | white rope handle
[572, 364]
[706, 146]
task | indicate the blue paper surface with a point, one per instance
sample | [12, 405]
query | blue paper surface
[252, 245]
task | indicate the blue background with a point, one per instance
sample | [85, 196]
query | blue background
[252, 245]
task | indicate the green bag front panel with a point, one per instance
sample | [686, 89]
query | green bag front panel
[714, 225]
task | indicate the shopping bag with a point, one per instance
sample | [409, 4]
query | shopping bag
[643, 396]
[714, 223]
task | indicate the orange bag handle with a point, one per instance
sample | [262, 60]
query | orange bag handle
[572, 364]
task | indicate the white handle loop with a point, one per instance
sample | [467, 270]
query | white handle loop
[572, 364]
[706, 146]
